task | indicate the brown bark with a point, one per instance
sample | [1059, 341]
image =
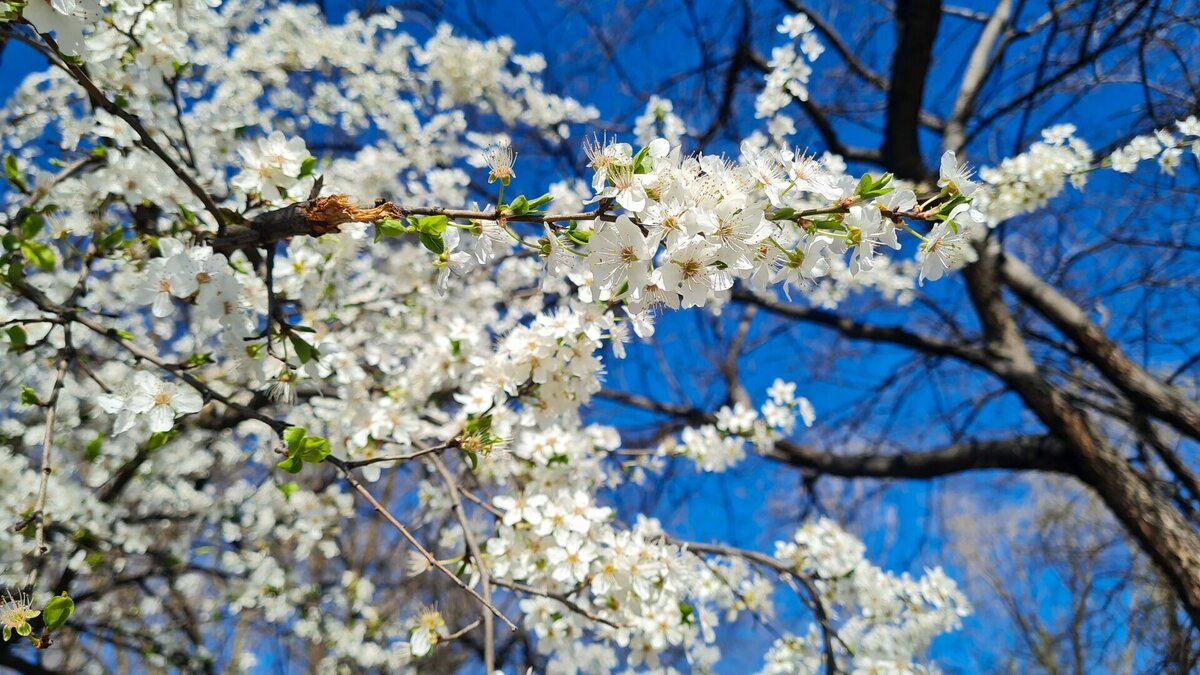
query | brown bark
[1158, 527]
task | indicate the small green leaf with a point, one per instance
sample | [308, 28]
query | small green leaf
[293, 436]
[199, 359]
[307, 166]
[580, 237]
[17, 339]
[113, 238]
[314, 449]
[390, 227]
[57, 611]
[433, 242]
[864, 184]
[478, 425]
[29, 397]
[473, 458]
[13, 173]
[540, 202]
[292, 464]
[289, 488]
[39, 254]
[433, 224]
[32, 225]
[641, 163]
[685, 613]
[519, 206]
[304, 351]
[91, 451]
[783, 214]
[160, 438]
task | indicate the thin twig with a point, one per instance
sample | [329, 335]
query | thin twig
[66, 354]
[485, 577]
[425, 450]
[382, 510]
[566, 602]
[828, 634]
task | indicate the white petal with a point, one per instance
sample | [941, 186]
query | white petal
[186, 400]
[162, 418]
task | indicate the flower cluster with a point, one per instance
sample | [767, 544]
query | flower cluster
[790, 71]
[1029, 180]
[1162, 144]
[882, 621]
[717, 447]
[271, 167]
[659, 120]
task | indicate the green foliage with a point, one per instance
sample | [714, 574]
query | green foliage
[57, 611]
[303, 448]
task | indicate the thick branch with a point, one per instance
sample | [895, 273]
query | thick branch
[916, 28]
[978, 68]
[1158, 527]
[1161, 400]
[1020, 453]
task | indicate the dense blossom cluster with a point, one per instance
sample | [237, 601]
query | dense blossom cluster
[887, 619]
[478, 338]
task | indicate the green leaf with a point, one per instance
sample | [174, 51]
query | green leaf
[433, 242]
[113, 238]
[307, 166]
[29, 397]
[32, 224]
[685, 613]
[199, 359]
[540, 202]
[478, 425]
[864, 184]
[160, 438]
[292, 464]
[17, 339]
[783, 214]
[473, 458]
[57, 611]
[123, 334]
[314, 449]
[304, 351]
[293, 436]
[39, 254]
[433, 224]
[640, 162]
[390, 227]
[91, 451]
[13, 173]
[289, 488]
[519, 206]
[580, 237]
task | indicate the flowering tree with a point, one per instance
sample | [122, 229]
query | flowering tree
[245, 372]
